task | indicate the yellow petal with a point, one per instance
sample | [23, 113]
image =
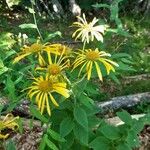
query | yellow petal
[53, 100]
[18, 58]
[98, 71]
[43, 103]
[64, 92]
[47, 105]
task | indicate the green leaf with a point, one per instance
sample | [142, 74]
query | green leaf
[52, 35]
[81, 117]
[20, 123]
[86, 101]
[50, 144]
[10, 145]
[100, 143]
[110, 132]
[132, 139]
[28, 26]
[10, 88]
[66, 126]
[3, 70]
[36, 113]
[125, 117]
[138, 126]
[79, 86]
[69, 142]
[123, 146]
[43, 143]
[81, 134]
[120, 55]
[55, 135]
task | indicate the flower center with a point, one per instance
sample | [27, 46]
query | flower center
[92, 55]
[45, 86]
[35, 47]
[54, 69]
[88, 27]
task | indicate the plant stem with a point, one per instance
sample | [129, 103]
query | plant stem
[35, 22]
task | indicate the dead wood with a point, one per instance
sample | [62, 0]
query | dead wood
[124, 102]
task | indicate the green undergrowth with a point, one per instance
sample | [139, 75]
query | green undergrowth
[123, 89]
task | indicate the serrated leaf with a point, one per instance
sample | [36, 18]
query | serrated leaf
[28, 26]
[100, 143]
[36, 113]
[81, 117]
[55, 135]
[66, 126]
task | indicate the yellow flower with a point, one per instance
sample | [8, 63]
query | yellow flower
[43, 89]
[87, 31]
[9, 122]
[28, 50]
[58, 49]
[90, 58]
[54, 66]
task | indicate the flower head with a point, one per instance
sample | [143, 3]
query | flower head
[59, 49]
[9, 122]
[89, 58]
[28, 50]
[42, 88]
[54, 66]
[88, 31]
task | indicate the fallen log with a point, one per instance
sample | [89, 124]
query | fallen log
[129, 79]
[124, 102]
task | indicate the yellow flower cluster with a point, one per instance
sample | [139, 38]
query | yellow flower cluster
[54, 59]
[9, 122]
[53, 64]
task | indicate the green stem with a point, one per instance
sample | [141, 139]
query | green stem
[35, 22]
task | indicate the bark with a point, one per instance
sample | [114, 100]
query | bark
[124, 102]
[74, 8]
